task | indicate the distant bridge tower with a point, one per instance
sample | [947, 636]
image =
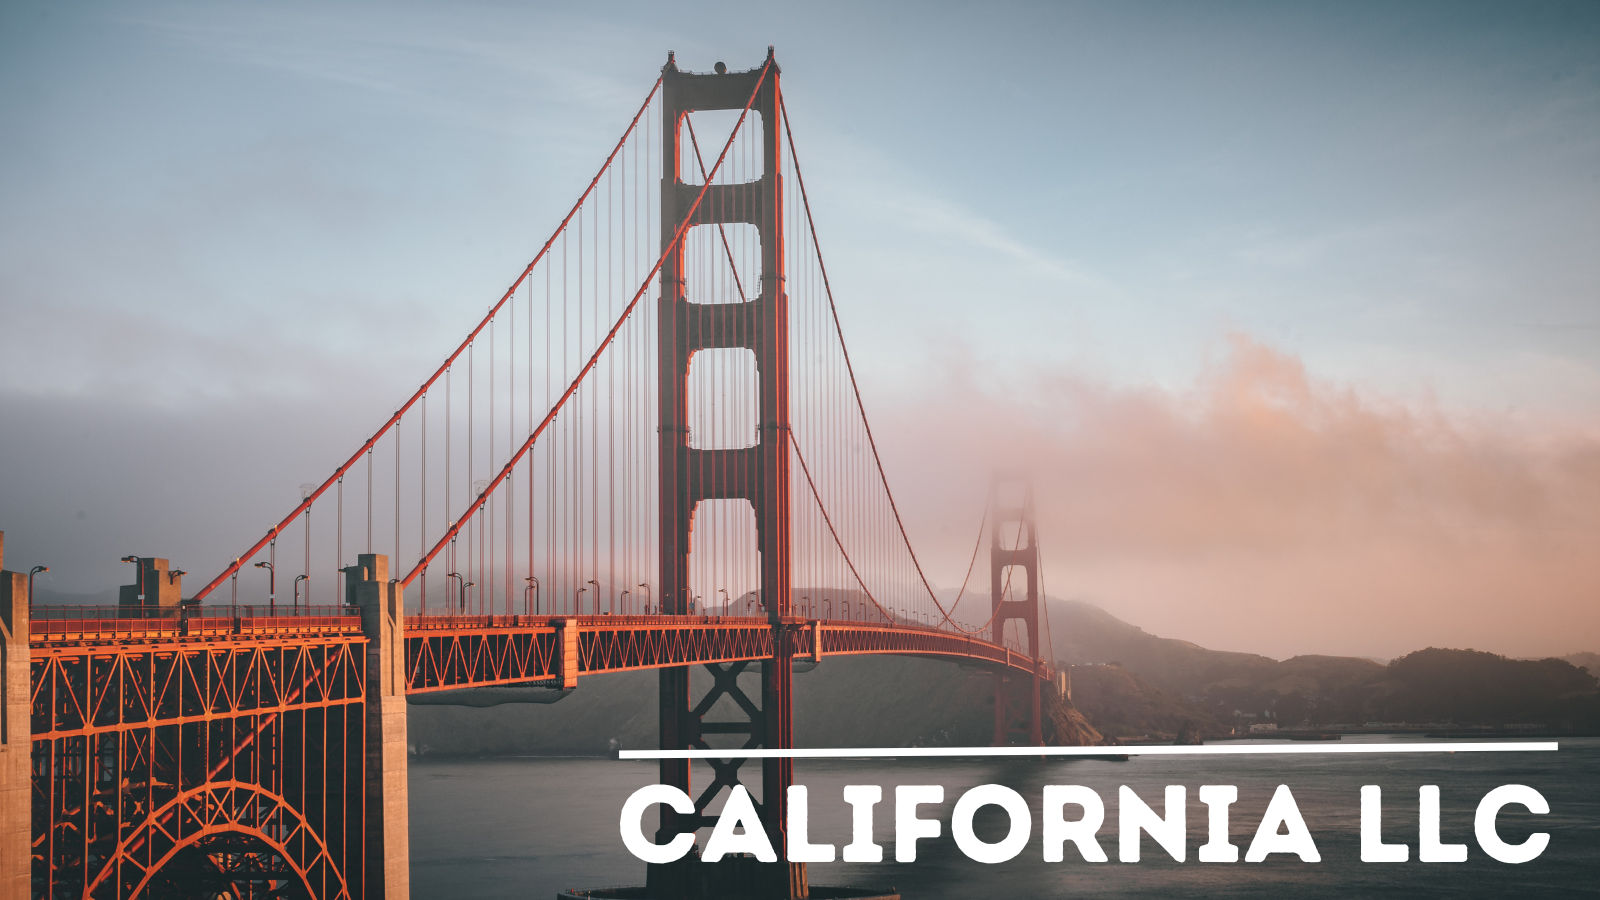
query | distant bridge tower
[1014, 523]
[758, 474]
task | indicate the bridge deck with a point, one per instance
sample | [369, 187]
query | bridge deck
[449, 652]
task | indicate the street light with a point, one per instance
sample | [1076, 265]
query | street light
[622, 603]
[596, 595]
[139, 578]
[272, 586]
[462, 607]
[297, 580]
[647, 598]
[533, 585]
[32, 572]
[577, 601]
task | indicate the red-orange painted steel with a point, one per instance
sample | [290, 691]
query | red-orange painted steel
[169, 756]
[450, 652]
[163, 745]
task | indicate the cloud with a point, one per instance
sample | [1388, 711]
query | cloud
[1265, 508]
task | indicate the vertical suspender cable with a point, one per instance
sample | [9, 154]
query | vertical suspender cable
[422, 506]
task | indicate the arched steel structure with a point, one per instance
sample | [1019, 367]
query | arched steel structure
[219, 810]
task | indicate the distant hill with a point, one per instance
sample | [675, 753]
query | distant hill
[1128, 681]
[1124, 706]
[1083, 634]
[1470, 686]
[1590, 661]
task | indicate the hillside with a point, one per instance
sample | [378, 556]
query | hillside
[1590, 661]
[1124, 706]
[1221, 690]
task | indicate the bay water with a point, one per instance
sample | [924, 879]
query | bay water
[530, 827]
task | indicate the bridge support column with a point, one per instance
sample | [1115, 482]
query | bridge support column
[1025, 555]
[758, 474]
[16, 736]
[388, 851]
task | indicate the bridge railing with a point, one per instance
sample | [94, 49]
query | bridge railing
[108, 622]
[434, 622]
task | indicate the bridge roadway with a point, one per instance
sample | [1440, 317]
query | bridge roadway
[446, 652]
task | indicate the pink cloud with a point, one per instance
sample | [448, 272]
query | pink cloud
[1263, 508]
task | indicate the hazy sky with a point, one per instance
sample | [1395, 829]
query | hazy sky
[1295, 308]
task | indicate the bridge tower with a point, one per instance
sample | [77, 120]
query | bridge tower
[1019, 523]
[758, 474]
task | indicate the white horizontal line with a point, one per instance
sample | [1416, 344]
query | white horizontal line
[1297, 749]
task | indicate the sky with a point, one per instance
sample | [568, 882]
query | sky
[1292, 309]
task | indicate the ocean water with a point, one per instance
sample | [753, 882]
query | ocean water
[530, 827]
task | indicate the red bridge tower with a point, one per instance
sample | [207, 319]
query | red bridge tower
[758, 474]
[1024, 555]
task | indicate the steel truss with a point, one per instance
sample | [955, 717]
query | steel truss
[450, 652]
[235, 759]
[857, 639]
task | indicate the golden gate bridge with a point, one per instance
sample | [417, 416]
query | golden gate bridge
[651, 452]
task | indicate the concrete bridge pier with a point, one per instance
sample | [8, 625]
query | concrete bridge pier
[16, 736]
[388, 861]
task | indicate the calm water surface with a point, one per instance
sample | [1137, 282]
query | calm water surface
[526, 827]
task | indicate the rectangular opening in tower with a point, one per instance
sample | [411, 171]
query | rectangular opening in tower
[1011, 534]
[708, 131]
[723, 399]
[724, 562]
[722, 263]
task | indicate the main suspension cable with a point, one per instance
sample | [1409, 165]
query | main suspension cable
[445, 366]
[605, 342]
[850, 369]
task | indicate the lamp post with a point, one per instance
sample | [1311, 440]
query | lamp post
[464, 586]
[32, 572]
[647, 598]
[577, 601]
[272, 586]
[621, 603]
[297, 580]
[462, 592]
[138, 578]
[592, 583]
[727, 602]
[533, 585]
[185, 607]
